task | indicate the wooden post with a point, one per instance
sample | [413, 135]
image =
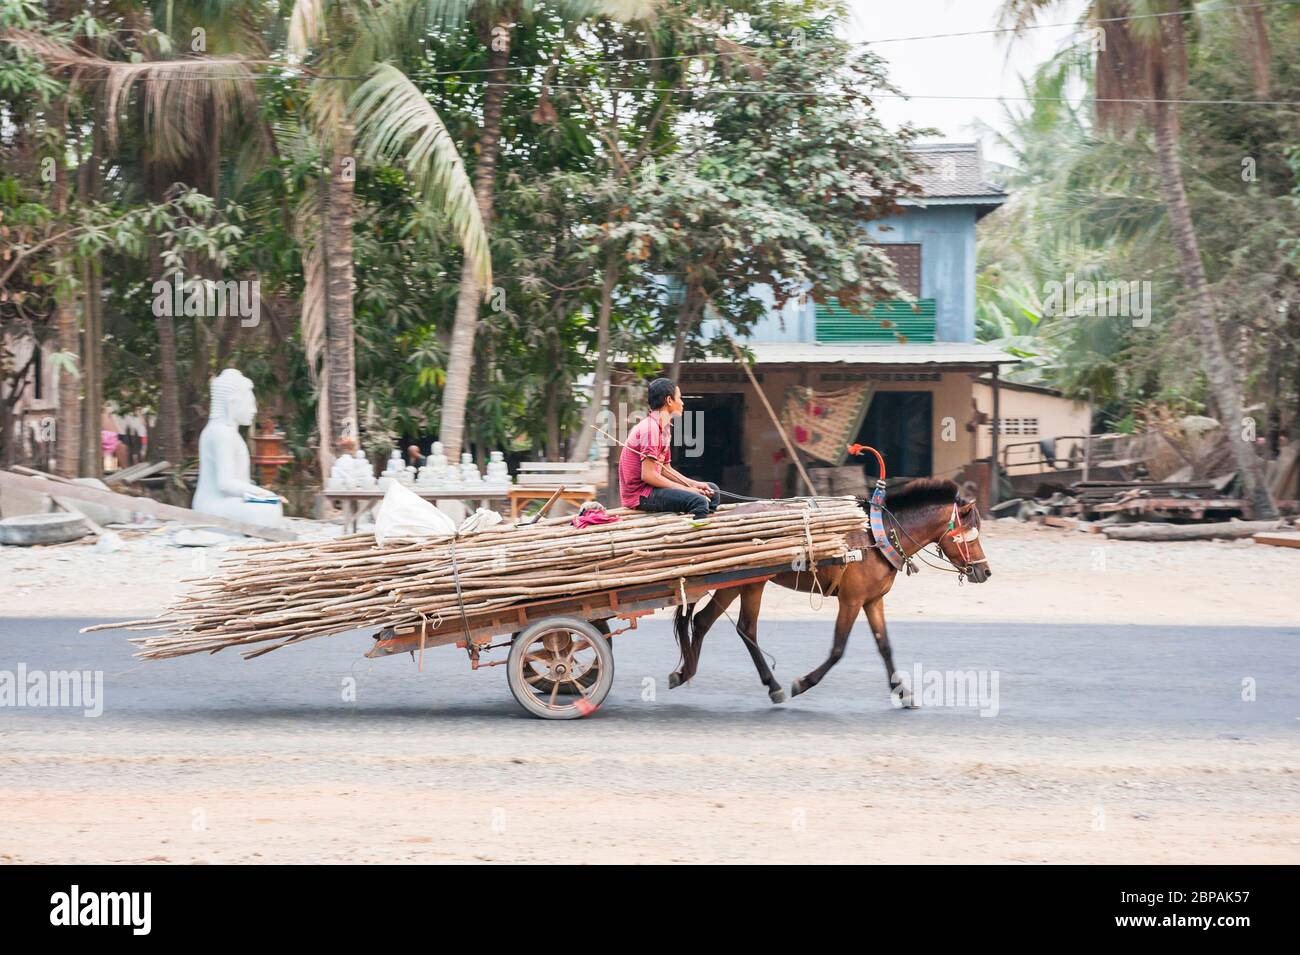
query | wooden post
[1087, 441]
[785, 439]
[995, 470]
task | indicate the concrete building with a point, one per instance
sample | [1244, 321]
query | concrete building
[1039, 425]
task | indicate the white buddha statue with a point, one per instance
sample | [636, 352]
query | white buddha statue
[225, 488]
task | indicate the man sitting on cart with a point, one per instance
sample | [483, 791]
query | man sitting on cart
[647, 481]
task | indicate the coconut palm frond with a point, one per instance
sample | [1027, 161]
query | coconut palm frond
[175, 93]
[396, 124]
[313, 310]
[295, 141]
[306, 24]
[384, 30]
[307, 227]
[315, 286]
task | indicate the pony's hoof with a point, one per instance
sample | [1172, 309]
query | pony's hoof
[674, 680]
[797, 687]
[777, 695]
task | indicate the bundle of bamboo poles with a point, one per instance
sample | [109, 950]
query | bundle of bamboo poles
[287, 593]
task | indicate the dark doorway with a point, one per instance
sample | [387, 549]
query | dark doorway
[898, 425]
[715, 437]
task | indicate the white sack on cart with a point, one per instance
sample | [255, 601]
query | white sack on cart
[404, 514]
[480, 520]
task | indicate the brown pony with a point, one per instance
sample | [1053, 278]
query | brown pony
[922, 512]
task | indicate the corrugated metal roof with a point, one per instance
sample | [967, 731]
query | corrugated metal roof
[794, 353]
[953, 170]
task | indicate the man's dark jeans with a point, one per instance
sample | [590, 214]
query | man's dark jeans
[672, 501]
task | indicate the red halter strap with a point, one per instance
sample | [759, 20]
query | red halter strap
[958, 535]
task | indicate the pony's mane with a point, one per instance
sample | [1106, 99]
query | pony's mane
[922, 493]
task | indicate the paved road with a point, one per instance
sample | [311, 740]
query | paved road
[1082, 680]
[1148, 721]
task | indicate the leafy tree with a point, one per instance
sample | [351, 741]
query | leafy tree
[1140, 73]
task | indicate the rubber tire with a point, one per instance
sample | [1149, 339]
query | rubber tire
[524, 694]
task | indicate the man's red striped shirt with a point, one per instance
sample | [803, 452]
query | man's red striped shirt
[648, 439]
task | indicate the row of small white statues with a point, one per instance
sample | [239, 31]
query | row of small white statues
[226, 489]
[353, 472]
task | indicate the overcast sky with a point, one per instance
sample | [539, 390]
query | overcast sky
[974, 66]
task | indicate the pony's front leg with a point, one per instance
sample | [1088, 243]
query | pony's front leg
[848, 613]
[875, 611]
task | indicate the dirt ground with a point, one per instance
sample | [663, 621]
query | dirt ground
[709, 773]
[769, 800]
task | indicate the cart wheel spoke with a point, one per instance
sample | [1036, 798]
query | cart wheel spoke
[561, 668]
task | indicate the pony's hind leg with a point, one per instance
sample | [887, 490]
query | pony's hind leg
[750, 600]
[844, 619]
[875, 611]
[699, 625]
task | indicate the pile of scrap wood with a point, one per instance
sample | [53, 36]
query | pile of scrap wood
[292, 592]
[1161, 500]
[1148, 511]
[1130, 500]
[73, 495]
[136, 472]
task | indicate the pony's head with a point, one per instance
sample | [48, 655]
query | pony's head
[960, 541]
[934, 511]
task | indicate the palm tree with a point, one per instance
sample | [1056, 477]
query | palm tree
[67, 422]
[181, 102]
[1140, 71]
[496, 20]
[382, 118]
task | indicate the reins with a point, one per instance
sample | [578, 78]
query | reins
[956, 529]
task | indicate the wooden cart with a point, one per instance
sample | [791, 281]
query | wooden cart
[560, 664]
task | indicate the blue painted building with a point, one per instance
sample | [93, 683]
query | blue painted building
[932, 245]
[899, 377]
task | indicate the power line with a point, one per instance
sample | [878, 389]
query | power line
[898, 39]
[1044, 26]
[824, 94]
[723, 91]
[893, 39]
[908, 96]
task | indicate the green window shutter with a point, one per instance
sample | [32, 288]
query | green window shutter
[886, 322]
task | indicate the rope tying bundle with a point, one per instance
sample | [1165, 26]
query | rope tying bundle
[460, 598]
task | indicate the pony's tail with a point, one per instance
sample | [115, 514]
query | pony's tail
[682, 625]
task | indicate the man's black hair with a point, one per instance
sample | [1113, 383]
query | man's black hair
[661, 389]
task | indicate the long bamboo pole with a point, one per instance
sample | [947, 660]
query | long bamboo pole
[780, 429]
[293, 593]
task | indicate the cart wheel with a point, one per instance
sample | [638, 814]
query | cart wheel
[558, 653]
[567, 688]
